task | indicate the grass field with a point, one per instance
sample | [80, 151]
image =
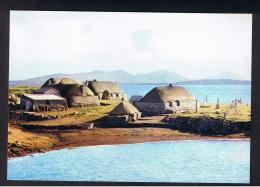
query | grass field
[78, 115]
[244, 113]
[22, 89]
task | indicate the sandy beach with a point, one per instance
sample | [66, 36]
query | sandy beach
[54, 140]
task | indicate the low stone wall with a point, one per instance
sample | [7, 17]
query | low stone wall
[197, 125]
[33, 116]
[50, 107]
[58, 127]
[80, 101]
[208, 126]
[112, 121]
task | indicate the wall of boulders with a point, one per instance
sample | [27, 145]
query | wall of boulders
[58, 127]
[112, 121]
[207, 125]
[34, 116]
[197, 125]
[80, 101]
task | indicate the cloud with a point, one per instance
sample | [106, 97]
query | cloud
[194, 45]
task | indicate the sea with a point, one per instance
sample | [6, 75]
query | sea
[225, 93]
[196, 161]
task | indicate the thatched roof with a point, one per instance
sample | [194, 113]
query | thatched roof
[168, 93]
[124, 108]
[54, 81]
[101, 86]
[77, 90]
[67, 90]
[43, 90]
[67, 87]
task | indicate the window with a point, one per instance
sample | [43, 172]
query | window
[170, 104]
[178, 103]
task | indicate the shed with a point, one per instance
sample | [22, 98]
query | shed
[43, 102]
[126, 108]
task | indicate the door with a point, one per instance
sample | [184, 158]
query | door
[27, 105]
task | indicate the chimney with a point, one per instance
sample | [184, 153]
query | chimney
[83, 90]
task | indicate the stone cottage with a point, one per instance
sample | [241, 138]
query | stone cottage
[166, 99]
[106, 90]
[75, 93]
[43, 102]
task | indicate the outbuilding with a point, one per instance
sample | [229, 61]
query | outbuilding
[43, 102]
[126, 109]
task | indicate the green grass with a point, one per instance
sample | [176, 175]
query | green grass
[211, 111]
[78, 115]
[22, 89]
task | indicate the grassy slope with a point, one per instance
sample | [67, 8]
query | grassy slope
[77, 115]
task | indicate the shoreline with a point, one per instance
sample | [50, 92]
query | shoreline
[119, 136]
[57, 149]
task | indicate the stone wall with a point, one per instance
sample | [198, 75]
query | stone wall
[151, 108]
[207, 125]
[162, 108]
[49, 107]
[197, 125]
[112, 121]
[58, 127]
[79, 101]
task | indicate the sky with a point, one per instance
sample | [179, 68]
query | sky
[193, 45]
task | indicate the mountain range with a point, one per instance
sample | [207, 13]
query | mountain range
[155, 77]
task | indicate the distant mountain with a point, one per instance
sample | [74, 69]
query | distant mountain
[227, 75]
[214, 82]
[156, 77]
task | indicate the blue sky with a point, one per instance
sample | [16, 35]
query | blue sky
[194, 45]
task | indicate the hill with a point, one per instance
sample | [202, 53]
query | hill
[156, 77]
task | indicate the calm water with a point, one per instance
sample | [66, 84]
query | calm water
[225, 93]
[173, 161]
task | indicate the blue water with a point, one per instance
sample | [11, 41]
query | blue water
[173, 161]
[225, 93]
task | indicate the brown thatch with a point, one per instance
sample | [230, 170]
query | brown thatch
[67, 90]
[78, 90]
[168, 93]
[124, 108]
[55, 81]
[47, 90]
[101, 86]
